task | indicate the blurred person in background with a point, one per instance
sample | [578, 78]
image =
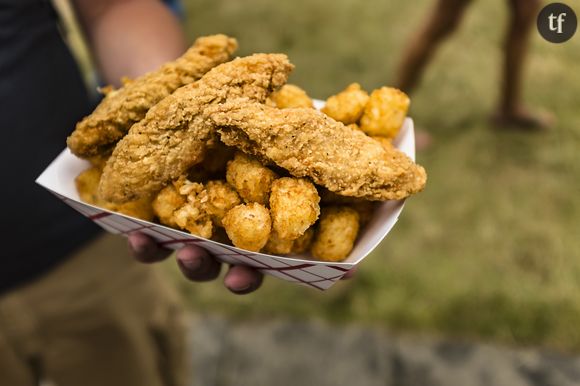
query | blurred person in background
[443, 21]
[70, 314]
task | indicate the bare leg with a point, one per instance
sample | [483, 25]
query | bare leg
[442, 21]
[510, 110]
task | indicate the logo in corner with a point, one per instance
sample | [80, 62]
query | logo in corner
[557, 23]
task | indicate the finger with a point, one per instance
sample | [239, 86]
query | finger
[242, 280]
[197, 264]
[351, 272]
[145, 249]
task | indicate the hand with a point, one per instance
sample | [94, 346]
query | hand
[196, 264]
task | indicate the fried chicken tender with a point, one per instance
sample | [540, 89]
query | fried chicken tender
[251, 179]
[337, 232]
[98, 132]
[293, 207]
[348, 105]
[221, 197]
[308, 143]
[248, 226]
[173, 135]
[290, 96]
[87, 184]
[385, 112]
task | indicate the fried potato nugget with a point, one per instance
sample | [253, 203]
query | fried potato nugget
[348, 105]
[294, 206]
[181, 205]
[251, 179]
[166, 203]
[277, 245]
[385, 112]
[221, 197]
[248, 226]
[336, 234]
[291, 96]
[302, 243]
[192, 215]
[87, 184]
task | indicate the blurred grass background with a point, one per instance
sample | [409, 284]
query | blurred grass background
[490, 250]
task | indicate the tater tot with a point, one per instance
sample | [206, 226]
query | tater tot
[348, 105]
[337, 232]
[385, 142]
[277, 245]
[221, 197]
[294, 206]
[250, 178]
[291, 96]
[302, 243]
[248, 226]
[87, 184]
[192, 215]
[385, 112]
[166, 203]
[141, 208]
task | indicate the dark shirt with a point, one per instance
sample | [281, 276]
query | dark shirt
[42, 95]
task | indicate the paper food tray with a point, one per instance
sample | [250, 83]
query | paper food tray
[59, 178]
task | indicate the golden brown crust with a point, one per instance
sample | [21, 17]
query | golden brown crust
[173, 135]
[290, 96]
[221, 197]
[308, 143]
[248, 226]
[251, 179]
[337, 232]
[385, 112]
[293, 207]
[348, 105]
[98, 132]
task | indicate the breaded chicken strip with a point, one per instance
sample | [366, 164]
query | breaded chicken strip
[308, 143]
[98, 132]
[173, 135]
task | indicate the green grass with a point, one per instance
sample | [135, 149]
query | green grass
[490, 250]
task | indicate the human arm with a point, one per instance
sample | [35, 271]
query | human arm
[129, 37]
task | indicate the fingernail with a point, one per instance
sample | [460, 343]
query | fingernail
[137, 246]
[191, 264]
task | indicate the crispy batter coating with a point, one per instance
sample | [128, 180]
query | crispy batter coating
[166, 203]
[348, 105]
[302, 243]
[336, 234]
[385, 112]
[251, 179]
[181, 205]
[293, 207]
[290, 96]
[248, 226]
[308, 143]
[221, 197]
[385, 142]
[192, 215]
[121, 108]
[87, 184]
[173, 135]
[277, 245]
